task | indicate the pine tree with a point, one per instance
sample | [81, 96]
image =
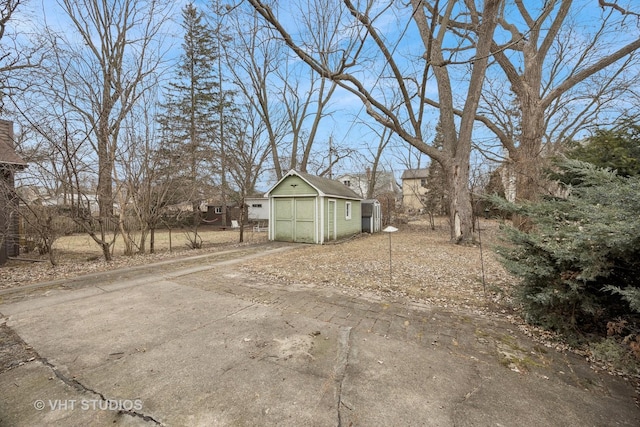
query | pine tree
[580, 263]
[435, 200]
[189, 119]
[615, 149]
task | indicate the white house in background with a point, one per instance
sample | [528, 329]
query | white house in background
[41, 196]
[257, 208]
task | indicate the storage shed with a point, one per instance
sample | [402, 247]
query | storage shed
[371, 216]
[310, 209]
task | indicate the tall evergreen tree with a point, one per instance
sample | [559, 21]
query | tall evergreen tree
[190, 118]
[435, 200]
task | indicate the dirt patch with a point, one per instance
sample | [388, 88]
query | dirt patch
[294, 346]
[13, 350]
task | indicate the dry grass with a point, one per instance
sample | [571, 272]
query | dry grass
[424, 266]
[83, 246]
[79, 254]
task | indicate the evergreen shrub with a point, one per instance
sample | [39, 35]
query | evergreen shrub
[580, 263]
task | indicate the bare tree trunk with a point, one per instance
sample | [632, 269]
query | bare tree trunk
[460, 208]
[372, 173]
[116, 64]
[527, 166]
[551, 75]
[101, 240]
[242, 210]
[128, 240]
[152, 240]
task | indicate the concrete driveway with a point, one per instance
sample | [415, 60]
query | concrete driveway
[200, 343]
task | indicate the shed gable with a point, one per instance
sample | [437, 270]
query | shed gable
[293, 185]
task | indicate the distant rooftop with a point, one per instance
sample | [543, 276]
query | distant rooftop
[415, 174]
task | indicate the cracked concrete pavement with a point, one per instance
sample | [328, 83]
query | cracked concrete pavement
[199, 342]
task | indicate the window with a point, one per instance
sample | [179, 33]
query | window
[347, 210]
[347, 182]
[256, 205]
[423, 182]
[218, 210]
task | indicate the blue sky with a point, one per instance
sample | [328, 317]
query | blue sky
[344, 126]
[349, 125]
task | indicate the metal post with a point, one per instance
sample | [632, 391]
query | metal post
[390, 229]
[390, 266]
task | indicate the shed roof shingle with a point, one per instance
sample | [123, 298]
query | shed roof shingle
[325, 186]
[328, 186]
[9, 156]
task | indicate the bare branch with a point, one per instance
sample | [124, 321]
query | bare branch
[617, 7]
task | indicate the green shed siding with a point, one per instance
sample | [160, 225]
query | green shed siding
[294, 186]
[348, 227]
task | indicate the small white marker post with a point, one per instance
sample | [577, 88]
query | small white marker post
[390, 229]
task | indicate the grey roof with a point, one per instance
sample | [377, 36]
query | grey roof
[326, 186]
[415, 174]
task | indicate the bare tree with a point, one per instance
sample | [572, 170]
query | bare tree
[62, 162]
[17, 58]
[372, 175]
[253, 57]
[438, 54]
[250, 151]
[145, 181]
[105, 75]
[302, 106]
[292, 101]
[42, 226]
[47, 201]
[76, 104]
[373, 161]
[564, 75]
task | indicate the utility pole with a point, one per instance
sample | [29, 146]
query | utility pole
[330, 157]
